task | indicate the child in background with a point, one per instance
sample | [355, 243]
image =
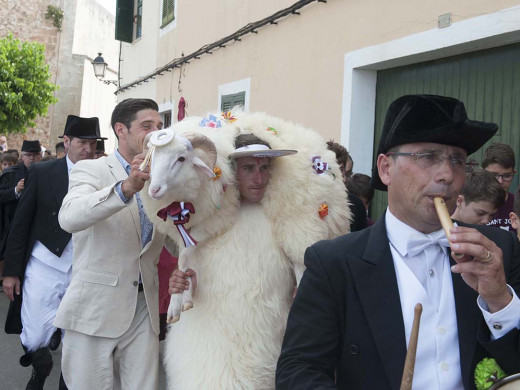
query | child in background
[8, 160]
[359, 185]
[515, 214]
[482, 195]
[499, 159]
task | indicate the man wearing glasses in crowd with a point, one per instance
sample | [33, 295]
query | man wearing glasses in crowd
[353, 312]
[499, 159]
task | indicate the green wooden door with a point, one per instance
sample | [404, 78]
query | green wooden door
[487, 81]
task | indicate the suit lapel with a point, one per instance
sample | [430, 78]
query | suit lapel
[60, 179]
[119, 173]
[376, 284]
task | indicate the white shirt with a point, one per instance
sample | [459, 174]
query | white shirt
[431, 270]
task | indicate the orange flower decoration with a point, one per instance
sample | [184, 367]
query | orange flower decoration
[323, 210]
[217, 173]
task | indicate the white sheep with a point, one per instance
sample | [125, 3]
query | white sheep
[248, 258]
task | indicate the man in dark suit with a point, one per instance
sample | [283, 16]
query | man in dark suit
[12, 184]
[40, 252]
[350, 323]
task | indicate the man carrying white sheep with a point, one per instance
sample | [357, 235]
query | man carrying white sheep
[252, 159]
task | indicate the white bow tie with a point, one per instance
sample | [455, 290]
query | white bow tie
[419, 242]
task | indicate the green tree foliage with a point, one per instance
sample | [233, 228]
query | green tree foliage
[25, 89]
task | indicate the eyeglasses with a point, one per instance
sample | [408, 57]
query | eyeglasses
[504, 177]
[428, 160]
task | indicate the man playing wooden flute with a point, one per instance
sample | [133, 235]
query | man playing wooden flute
[350, 323]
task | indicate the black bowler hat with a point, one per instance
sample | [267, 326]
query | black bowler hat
[82, 127]
[430, 118]
[31, 146]
[100, 145]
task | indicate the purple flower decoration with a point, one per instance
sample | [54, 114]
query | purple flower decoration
[319, 166]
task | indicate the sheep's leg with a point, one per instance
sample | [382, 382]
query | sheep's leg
[174, 309]
[187, 300]
[177, 300]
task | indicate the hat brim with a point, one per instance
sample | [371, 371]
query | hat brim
[83, 137]
[270, 153]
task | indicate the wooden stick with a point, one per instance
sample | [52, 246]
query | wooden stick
[445, 218]
[409, 362]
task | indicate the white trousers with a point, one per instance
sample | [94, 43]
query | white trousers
[43, 290]
[129, 362]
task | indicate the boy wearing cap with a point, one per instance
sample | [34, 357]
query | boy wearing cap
[350, 323]
[39, 252]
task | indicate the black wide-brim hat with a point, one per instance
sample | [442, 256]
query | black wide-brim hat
[31, 146]
[100, 145]
[82, 128]
[430, 118]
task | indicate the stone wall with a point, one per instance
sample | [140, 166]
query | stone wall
[26, 21]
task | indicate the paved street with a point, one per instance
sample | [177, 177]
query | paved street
[15, 377]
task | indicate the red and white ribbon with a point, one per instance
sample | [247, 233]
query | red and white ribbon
[179, 212]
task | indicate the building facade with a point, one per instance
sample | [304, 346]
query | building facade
[331, 65]
[87, 27]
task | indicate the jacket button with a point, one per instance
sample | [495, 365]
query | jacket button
[136, 283]
[354, 349]
[54, 213]
[57, 250]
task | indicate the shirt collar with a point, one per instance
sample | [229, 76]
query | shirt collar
[399, 233]
[70, 164]
[126, 165]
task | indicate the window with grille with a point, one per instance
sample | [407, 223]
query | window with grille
[167, 119]
[230, 101]
[168, 12]
[138, 18]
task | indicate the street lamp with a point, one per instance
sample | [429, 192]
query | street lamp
[100, 67]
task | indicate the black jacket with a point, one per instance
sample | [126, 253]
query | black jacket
[36, 216]
[346, 321]
[8, 199]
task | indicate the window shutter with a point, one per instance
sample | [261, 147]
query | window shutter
[230, 101]
[139, 19]
[124, 20]
[168, 13]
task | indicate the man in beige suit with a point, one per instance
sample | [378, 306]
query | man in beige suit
[110, 311]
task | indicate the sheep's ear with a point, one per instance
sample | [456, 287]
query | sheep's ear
[203, 167]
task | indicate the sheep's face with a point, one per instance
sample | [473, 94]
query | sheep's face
[176, 174]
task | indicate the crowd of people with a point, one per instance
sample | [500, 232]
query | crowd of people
[79, 256]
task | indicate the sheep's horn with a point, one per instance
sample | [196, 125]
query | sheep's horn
[145, 142]
[201, 142]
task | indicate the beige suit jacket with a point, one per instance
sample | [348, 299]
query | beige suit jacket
[108, 257]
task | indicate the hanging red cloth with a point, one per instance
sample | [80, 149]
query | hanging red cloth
[181, 109]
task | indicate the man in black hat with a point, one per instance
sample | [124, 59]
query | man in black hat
[100, 149]
[40, 252]
[11, 187]
[350, 323]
